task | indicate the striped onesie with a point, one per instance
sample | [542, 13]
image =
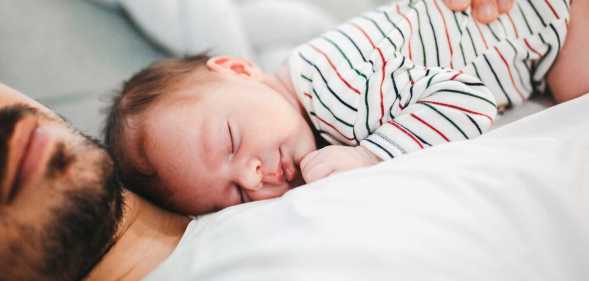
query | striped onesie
[413, 74]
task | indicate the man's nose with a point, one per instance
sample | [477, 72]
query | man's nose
[249, 175]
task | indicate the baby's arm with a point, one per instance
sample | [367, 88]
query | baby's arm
[569, 76]
[432, 106]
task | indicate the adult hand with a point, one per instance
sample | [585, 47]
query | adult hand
[333, 159]
[485, 11]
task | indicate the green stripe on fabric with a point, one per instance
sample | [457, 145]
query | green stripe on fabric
[467, 94]
[445, 117]
[345, 57]
[307, 78]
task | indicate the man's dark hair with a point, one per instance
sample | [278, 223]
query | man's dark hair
[138, 93]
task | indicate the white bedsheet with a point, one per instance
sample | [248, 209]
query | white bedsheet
[511, 205]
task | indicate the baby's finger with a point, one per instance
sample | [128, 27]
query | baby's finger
[309, 157]
[485, 11]
[317, 172]
[310, 168]
[505, 5]
[457, 5]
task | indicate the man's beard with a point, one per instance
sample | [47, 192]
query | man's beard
[82, 226]
[81, 231]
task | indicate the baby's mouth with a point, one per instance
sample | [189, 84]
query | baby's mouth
[274, 178]
[288, 167]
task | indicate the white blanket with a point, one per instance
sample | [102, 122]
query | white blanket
[511, 205]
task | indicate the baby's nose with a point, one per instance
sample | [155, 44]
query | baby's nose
[250, 175]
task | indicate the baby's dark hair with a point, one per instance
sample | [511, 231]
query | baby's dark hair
[136, 96]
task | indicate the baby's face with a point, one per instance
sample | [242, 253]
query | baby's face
[236, 142]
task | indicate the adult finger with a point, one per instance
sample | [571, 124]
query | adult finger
[485, 11]
[505, 5]
[457, 5]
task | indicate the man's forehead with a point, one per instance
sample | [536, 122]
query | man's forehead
[10, 97]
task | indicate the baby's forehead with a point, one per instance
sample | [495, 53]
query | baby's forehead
[196, 100]
[177, 97]
[179, 120]
[145, 130]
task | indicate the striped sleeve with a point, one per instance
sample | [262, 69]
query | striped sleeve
[547, 34]
[430, 106]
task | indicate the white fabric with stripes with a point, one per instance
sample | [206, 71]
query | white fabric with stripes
[414, 74]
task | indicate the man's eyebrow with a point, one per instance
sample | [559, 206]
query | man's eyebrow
[63, 118]
[52, 113]
[91, 139]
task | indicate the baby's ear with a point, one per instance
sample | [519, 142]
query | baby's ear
[234, 66]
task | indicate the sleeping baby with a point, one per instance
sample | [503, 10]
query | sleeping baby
[202, 133]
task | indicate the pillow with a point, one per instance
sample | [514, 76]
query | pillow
[511, 205]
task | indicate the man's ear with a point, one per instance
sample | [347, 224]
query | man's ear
[234, 66]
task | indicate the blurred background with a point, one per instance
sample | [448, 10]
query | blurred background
[73, 54]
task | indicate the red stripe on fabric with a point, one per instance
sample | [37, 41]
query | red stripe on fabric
[332, 127]
[308, 95]
[430, 126]
[530, 47]
[456, 75]
[513, 26]
[481, 34]
[410, 34]
[392, 122]
[335, 69]
[509, 72]
[384, 64]
[552, 9]
[447, 33]
[459, 108]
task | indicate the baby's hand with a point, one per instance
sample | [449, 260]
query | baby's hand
[333, 159]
